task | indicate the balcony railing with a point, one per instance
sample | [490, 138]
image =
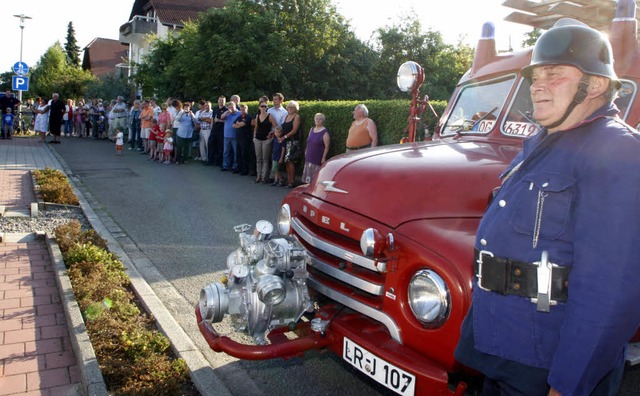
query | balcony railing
[138, 25]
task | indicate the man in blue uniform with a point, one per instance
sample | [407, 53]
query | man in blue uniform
[555, 297]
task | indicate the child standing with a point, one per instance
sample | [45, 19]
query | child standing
[7, 124]
[168, 147]
[152, 141]
[277, 157]
[160, 145]
[119, 141]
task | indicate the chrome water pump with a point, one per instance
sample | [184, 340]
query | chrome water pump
[265, 286]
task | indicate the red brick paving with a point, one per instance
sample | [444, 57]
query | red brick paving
[17, 190]
[35, 350]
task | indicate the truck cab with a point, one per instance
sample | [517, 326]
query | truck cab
[388, 232]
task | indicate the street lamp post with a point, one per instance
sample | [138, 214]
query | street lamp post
[22, 18]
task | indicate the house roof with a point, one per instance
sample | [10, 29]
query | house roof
[172, 12]
[102, 55]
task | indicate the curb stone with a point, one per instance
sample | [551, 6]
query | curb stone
[92, 381]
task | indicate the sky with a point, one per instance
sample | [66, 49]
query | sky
[454, 19]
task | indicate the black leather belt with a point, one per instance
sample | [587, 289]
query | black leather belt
[512, 277]
[359, 147]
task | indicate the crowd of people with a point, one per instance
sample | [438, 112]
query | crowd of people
[266, 145]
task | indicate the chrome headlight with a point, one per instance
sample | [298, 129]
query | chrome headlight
[429, 298]
[284, 220]
[408, 76]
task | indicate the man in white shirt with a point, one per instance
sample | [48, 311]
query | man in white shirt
[205, 118]
[119, 113]
[278, 112]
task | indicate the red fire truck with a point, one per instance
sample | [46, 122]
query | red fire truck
[374, 258]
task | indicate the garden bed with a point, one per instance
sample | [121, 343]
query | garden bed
[133, 356]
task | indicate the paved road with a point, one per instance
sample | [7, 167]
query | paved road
[181, 218]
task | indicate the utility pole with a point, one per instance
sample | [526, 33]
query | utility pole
[22, 18]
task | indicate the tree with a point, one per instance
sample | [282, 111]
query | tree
[531, 38]
[52, 74]
[300, 47]
[109, 87]
[71, 47]
[405, 40]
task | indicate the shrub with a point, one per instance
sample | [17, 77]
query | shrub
[390, 116]
[54, 187]
[132, 354]
[71, 233]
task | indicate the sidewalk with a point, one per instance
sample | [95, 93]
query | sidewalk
[27, 363]
[36, 356]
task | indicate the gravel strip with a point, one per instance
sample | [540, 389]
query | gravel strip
[46, 221]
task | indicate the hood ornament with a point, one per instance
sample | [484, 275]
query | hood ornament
[329, 187]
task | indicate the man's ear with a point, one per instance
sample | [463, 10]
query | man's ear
[598, 85]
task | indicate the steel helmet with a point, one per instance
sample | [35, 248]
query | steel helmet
[570, 42]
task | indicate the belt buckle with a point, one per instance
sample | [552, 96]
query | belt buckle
[479, 274]
[543, 301]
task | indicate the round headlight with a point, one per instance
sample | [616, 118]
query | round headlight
[429, 298]
[284, 220]
[408, 75]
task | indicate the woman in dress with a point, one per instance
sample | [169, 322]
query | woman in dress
[42, 117]
[291, 137]
[263, 142]
[317, 148]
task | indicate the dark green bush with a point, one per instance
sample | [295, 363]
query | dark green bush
[390, 116]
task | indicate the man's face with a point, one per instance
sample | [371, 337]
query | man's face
[207, 106]
[552, 90]
[277, 101]
[221, 102]
[357, 112]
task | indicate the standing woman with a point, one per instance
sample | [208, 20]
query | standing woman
[42, 118]
[317, 148]
[185, 119]
[291, 138]
[67, 118]
[77, 118]
[263, 142]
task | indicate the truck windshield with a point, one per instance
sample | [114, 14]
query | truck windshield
[519, 120]
[478, 106]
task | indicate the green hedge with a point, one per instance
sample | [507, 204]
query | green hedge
[390, 117]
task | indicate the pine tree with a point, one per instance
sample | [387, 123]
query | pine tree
[71, 47]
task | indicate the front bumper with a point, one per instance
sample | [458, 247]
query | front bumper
[431, 378]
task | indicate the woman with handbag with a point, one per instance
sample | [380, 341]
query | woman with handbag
[291, 138]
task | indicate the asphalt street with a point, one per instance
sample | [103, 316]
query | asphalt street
[182, 219]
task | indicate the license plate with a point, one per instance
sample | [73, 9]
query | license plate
[380, 370]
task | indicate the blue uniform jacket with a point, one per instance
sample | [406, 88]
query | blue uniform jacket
[589, 180]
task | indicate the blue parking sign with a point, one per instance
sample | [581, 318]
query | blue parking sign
[20, 83]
